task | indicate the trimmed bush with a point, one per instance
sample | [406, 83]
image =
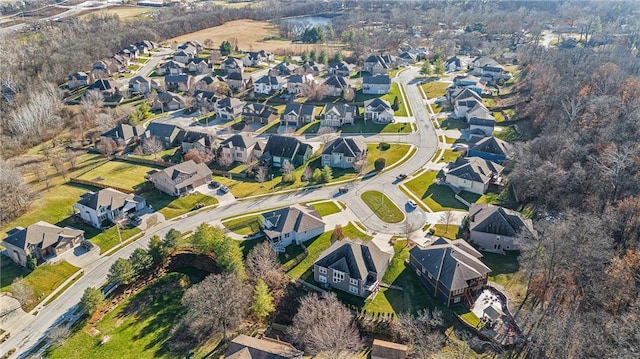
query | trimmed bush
[379, 164]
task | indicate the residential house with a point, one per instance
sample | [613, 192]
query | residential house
[481, 121]
[185, 55]
[376, 85]
[77, 79]
[473, 174]
[471, 82]
[170, 135]
[245, 347]
[491, 149]
[489, 68]
[118, 63]
[231, 65]
[337, 115]
[420, 53]
[103, 69]
[281, 149]
[139, 85]
[125, 133]
[145, 46]
[229, 108]
[295, 224]
[180, 82]
[204, 101]
[259, 113]
[241, 148]
[456, 63]
[167, 101]
[237, 81]
[455, 95]
[295, 83]
[377, 64]
[181, 178]
[207, 83]
[310, 68]
[297, 114]
[107, 87]
[109, 205]
[352, 267]
[198, 140]
[387, 350]
[335, 85]
[266, 85]
[192, 45]
[451, 270]
[283, 69]
[378, 110]
[343, 152]
[254, 59]
[199, 66]
[406, 58]
[171, 68]
[494, 228]
[40, 240]
[339, 69]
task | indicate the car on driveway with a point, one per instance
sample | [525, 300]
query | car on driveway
[214, 184]
[412, 204]
[223, 189]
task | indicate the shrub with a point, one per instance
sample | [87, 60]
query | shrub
[383, 146]
[379, 164]
[289, 178]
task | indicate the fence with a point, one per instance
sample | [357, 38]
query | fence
[145, 161]
[100, 185]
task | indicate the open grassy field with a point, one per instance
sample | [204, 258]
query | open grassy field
[250, 35]
[382, 206]
[119, 174]
[123, 12]
[138, 328]
[45, 279]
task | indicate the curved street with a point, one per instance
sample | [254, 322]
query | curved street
[425, 139]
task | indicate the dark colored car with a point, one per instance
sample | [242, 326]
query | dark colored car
[214, 184]
[343, 189]
[223, 189]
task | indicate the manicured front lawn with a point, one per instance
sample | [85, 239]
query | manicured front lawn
[110, 238]
[371, 127]
[435, 89]
[453, 124]
[326, 208]
[10, 271]
[119, 174]
[449, 232]
[393, 154]
[172, 207]
[244, 225]
[382, 206]
[138, 328]
[394, 91]
[271, 128]
[450, 155]
[46, 278]
[315, 247]
[353, 232]
[437, 197]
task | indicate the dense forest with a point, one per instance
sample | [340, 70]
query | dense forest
[577, 164]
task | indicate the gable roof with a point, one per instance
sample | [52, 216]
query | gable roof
[193, 136]
[339, 109]
[348, 146]
[238, 76]
[107, 197]
[172, 64]
[356, 259]
[176, 78]
[493, 145]
[195, 171]
[40, 234]
[452, 263]
[297, 218]
[139, 80]
[268, 80]
[284, 146]
[229, 103]
[241, 140]
[485, 62]
[245, 347]
[298, 109]
[377, 80]
[232, 61]
[163, 130]
[104, 85]
[124, 131]
[498, 220]
[378, 105]
[465, 94]
[79, 76]
[264, 111]
[475, 169]
[166, 97]
[336, 81]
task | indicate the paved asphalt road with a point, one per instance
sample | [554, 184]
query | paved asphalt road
[95, 275]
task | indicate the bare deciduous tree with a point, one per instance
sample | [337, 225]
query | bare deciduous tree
[152, 145]
[421, 332]
[324, 324]
[447, 217]
[224, 159]
[307, 174]
[288, 168]
[58, 335]
[360, 164]
[314, 91]
[262, 262]
[58, 164]
[261, 175]
[16, 194]
[22, 292]
[72, 157]
[326, 134]
[107, 146]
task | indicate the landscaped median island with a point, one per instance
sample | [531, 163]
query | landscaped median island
[383, 206]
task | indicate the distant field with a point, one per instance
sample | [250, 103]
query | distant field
[123, 12]
[250, 35]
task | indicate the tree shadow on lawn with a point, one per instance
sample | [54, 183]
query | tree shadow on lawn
[501, 263]
[444, 196]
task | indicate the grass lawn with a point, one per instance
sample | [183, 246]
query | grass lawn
[172, 207]
[119, 174]
[498, 116]
[271, 128]
[435, 89]
[450, 155]
[361, 127]
[326, 208]
[394, 91]
[449, 232]
[382, 206]
[165, 155]
[453, 124]
[46, 278]
[10, 272]
[505, 271]
[507, 134]
[315, 247]
[391, 155]
[471, 319]
[110, 238]
[353, 232]
[244, 225]
[437, 197]
[138, 328]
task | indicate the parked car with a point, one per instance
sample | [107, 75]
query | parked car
[214, 184]
[87, 245]
[343, 189]
[401, 176]
[223, 189]
[412, 203]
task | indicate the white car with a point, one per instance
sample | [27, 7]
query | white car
[412, 203]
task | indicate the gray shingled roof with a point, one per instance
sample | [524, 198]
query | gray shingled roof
[379, 105]
[452, 263]
[475, 169]
[297, 218]
[299, 109]
[107, 197]
[355, 258]
[284, 146]
[488, 218]
[336, 81]
[492, 145]
[196, 171]
[348, 146]
[241, 140]
[245, 347]
[124, 131]
[377, 80]
[339, 108]
[40, 234]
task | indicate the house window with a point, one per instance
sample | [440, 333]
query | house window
[286, 235]
[456, 299]
[353, 281]
[429, 275]
[323, 270]
[322, 279]
[353, 289]
[349, 159]
[338, 276]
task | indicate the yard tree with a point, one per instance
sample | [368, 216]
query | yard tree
[322, 323]
[360, 164]
[379, 164]
[312, 35]
[327, 174]
[107, 146]
[72, 157]
[313, 90]
[22, 292]
[262, 301]
[261, 175]
[193, 155]
[141, 260]
[288, 167]
[171, 239]
[439, 66]
[317, 175]
[312, 55]
[216, 305]
[337, 234]
[326, 134]
[157, 249]
[348, 94]
[225, 48]
[58, 164]
[447, 217]
[421, 333]
[32, 262]
[425, 70]
[262, 262]
[304, 56]
[204, 238]
[224, 160]
[152, 145]
[229, 256]
[396, 103]
[57, 335]
[307, 174]
[337, 57]
[322, 57]
[91, 300]
[121, 271]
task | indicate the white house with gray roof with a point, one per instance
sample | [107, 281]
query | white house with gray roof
[297, 114]
[107, 205]
[473, 174]
[352, 266]
[295, 224]
[40, 240]
[376, 85]
[344, 152]
[378, 110]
